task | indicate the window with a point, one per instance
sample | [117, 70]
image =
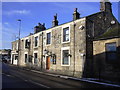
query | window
[16, 57]
[26, 43]
[36, 41]
[16, 46]
[111, 53]
[25, 58]
[66, 34]
[30, 59]
[48, 38]
[65, 57]
[54, 59]
[35, 58]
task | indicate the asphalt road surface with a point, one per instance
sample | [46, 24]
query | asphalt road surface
[14, 77]
[10, 80]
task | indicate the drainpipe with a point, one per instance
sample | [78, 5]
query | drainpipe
[74, 47]
[42, 52]
[91, 40]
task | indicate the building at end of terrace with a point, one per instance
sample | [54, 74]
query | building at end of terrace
[70, 48]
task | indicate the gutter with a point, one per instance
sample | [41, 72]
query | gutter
[88, 80]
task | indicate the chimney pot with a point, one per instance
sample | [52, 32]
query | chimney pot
[76, 14]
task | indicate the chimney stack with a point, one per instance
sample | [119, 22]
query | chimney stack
[55, 21]
[39, 28]
[105, 5]
[76, 15]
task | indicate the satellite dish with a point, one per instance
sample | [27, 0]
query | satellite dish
[112, 22]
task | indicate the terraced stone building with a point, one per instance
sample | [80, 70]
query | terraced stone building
[74, 48]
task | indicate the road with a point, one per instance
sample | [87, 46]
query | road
[10, 80]
[14, 77]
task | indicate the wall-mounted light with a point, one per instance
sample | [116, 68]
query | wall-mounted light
[82, 54]
[69, 55]
[50, 54]
[81, 27]
[45, 51]
[43, 55]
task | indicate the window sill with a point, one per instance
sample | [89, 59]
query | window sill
[65, 42]
[65, 65]
[35, 47]
[47, 44]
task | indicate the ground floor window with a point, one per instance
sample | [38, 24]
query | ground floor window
[65, 57]
[30, 59]
[16, 57]
[54, 59]
[26, 58]
[111, 52]
[35, 58]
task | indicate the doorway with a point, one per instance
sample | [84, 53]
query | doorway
[47, 62]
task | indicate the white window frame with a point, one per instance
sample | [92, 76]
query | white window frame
[33, 56]
[24, 56]
[15, 55]
[50, 38]
[24, 42]
[37, 42]
[62, 49]
[17, 46]
[65, 26]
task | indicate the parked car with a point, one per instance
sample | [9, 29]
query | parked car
[5, 60]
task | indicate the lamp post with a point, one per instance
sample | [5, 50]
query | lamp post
[19, 42]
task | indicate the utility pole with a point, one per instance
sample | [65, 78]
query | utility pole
[19, 42]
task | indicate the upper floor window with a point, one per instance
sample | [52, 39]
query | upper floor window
[36, 41]
[13, 47]
[48, 38]
[16, 46]
[66, 34]
[27, 43]
[111, 51]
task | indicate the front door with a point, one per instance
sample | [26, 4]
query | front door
[47, 62]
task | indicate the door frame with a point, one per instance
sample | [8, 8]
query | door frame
[47, 62]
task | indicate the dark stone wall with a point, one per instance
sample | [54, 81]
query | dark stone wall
[104, 68]
[96, 25]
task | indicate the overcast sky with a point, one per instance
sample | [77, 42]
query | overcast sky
[31, 13]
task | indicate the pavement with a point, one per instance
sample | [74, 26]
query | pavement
[89, 80]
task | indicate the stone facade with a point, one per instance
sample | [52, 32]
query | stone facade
[57, 45]
[67, 48]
